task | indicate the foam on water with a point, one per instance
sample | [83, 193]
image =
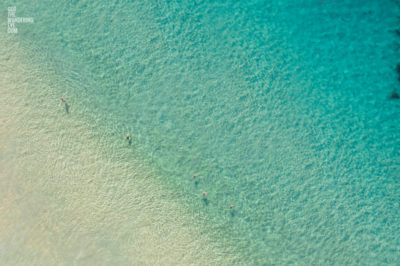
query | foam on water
[281, 108]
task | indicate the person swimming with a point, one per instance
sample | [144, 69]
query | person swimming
[205, 199]
[66, 104]
[129, 139]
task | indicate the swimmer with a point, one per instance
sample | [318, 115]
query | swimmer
[230, 207]
[194, 176]
[129, 139]
[66, 104]
[204, 194]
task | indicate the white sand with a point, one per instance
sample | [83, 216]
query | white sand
[69, 197]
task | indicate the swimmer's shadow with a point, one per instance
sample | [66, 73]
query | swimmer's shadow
[206, 201]
[67, 108]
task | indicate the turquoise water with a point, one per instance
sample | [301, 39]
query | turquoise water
[281, 109]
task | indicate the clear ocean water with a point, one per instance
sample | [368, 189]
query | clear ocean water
[280, 107]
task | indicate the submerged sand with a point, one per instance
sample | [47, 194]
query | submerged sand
[67, 196]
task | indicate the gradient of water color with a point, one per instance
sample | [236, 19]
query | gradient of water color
[281, 109]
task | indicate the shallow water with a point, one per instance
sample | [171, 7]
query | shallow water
[281, 108]
[70, 197]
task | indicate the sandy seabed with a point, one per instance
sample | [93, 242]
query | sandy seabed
[67, 196]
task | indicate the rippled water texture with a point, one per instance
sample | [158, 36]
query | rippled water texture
[281, 108]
